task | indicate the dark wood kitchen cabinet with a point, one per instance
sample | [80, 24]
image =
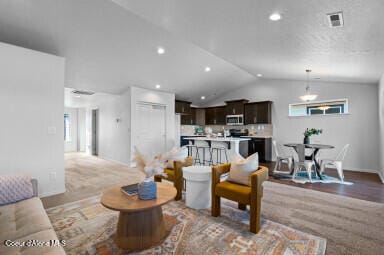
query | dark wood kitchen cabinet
[189, 119]
[258, 113]
[235, 107]
[263, 146]
[182, 107]
[215, 115]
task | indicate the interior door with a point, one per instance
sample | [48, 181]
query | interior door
[70, 129]
[150, 131]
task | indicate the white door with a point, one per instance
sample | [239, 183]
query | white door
[150, 132]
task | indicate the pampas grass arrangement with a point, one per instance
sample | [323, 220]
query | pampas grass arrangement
[154, 166]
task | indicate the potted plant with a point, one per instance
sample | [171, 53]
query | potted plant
[309, 132]
[154, 166]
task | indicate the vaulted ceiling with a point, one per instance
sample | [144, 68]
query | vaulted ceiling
[111, 44]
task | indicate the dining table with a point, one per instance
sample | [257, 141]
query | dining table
[315, 149]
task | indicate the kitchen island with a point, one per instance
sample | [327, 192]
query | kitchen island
[234, 145]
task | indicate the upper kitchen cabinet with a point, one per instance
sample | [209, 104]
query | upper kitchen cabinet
[258, 113]
[215, 115]
[189, 119]
[235, 107]
[182, 107]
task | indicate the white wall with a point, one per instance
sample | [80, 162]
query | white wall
[72, 145]
[81, 129]
[114, 136]
[31, 110]
[381, 119]
[359, 128]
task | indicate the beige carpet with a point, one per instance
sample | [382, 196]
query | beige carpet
[351, 226]
[87, 176]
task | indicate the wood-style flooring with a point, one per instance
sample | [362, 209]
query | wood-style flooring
[366, 186]
[88, 176]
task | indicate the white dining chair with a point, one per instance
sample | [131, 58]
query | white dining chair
[337, 162]
[302, 162]
[281, 157]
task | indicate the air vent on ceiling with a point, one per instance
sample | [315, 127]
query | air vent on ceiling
[83, 92]
[335, 19]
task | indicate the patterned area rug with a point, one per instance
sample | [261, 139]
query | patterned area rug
[89, 228]
[302, 177]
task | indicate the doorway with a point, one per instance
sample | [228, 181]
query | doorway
[150, 128]
[94, 132]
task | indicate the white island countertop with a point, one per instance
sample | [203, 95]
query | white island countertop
[257, 136]
[219, 139]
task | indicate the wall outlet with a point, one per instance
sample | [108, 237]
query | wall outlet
[52, 176]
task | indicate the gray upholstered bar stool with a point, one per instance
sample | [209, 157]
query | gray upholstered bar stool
[219, 148]
[203, 147]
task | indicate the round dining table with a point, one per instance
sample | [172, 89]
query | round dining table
[316, 148]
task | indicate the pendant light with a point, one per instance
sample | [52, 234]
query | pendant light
[308, 96]
[323, 107]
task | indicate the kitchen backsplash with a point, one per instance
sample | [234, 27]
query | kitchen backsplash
[263, 129]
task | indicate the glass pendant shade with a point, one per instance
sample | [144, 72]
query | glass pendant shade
[308, 96]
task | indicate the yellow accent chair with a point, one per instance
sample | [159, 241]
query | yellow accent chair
[175, 175]
[244, 195]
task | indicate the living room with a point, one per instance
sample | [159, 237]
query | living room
[116, 71]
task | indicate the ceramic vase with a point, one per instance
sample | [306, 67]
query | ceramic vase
[147, 189]
[307, 140]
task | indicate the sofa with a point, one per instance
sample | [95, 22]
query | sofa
[25, 228]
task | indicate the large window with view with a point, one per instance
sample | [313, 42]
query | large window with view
[329, 107]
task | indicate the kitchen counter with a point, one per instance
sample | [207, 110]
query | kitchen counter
[193, 135]
[219, 139]
[257, 136]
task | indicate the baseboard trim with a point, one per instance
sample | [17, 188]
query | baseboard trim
[51, 193]
[381, 176]
[114, 161]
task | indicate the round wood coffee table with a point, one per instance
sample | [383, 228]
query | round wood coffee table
[141, 223]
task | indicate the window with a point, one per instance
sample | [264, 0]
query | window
[330, 107]
[67, 128]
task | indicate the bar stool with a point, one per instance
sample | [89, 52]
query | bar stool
[203, 146]
[219, 151]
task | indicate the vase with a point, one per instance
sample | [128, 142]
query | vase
[147, 189]
[307, 140]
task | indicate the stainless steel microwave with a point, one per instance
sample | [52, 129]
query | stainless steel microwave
[235, 119]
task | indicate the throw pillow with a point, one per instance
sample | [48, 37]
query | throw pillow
[14, 188]
[241, 169]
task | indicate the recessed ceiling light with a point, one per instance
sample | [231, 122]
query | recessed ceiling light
[202, 97]
[158, 86]
[207, 69]
[160, 50]
[275, 16]
[259, 75]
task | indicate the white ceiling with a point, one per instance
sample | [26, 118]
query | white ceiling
[111, 44]
[241, 33]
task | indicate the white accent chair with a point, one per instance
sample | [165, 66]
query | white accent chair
[337, 162]
[281, 157]
[303, 163]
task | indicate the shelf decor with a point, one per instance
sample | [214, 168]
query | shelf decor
[155, 166]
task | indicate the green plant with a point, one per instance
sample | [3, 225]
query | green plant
[312, 131]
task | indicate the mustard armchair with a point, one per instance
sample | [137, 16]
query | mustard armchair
[175, 175]
[244, 195]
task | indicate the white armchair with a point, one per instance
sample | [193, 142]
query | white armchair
[337, 162]
[281, 157]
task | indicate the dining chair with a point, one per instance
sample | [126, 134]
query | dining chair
[281, 157]
[337, 162]
[303, 162]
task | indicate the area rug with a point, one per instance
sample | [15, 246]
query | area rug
[302, 178]
[89, 228]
